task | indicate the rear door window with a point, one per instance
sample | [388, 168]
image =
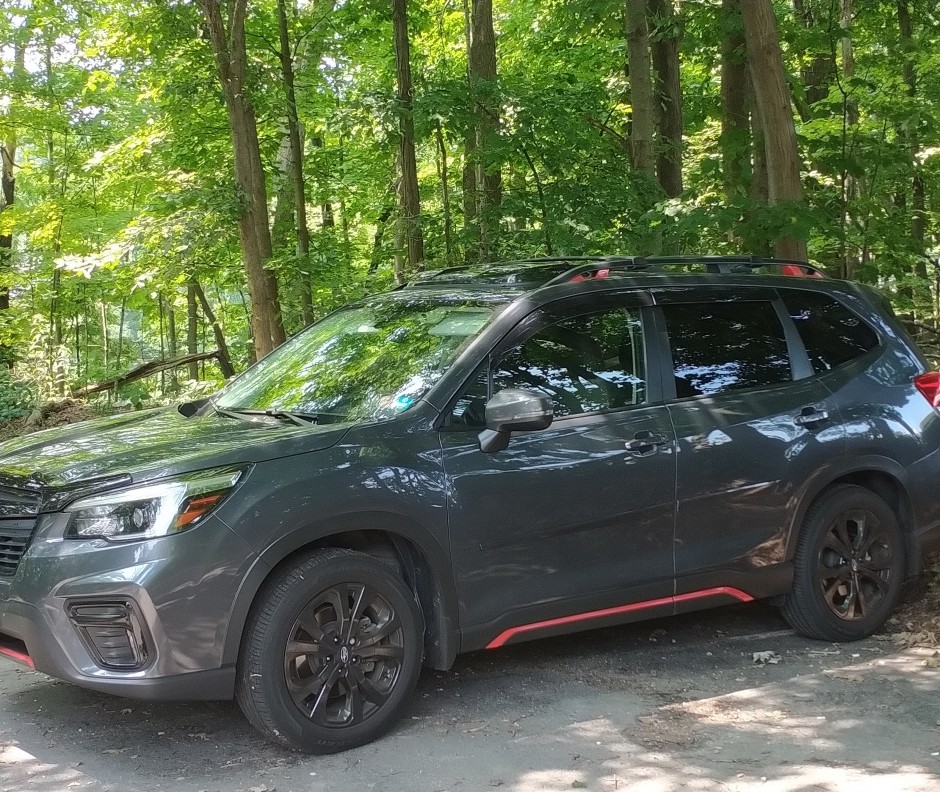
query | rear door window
[831, 333]
[726, 346]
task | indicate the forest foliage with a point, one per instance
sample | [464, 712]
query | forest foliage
[154, 152]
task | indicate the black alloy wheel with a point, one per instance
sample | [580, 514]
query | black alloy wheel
[331, 652]
[855, 565]
[848, 567]
[344, 655]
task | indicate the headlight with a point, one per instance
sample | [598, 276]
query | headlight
[150, 510]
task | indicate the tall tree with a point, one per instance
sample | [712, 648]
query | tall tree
[665, 55]
[817, 67]
[772, 96]
[8, 172]
[848, 257]
[734, 141]
[229, 46]
[409, 196]
[486, 158]
[912, 138]
[641, 88]
[296, 160]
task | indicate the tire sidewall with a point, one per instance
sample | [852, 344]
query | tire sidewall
[839, 502]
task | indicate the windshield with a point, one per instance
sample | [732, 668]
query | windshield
[369, 361]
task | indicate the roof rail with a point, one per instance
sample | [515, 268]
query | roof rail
[518, 266]
[602, 266]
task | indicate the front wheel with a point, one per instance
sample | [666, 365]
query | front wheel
[331, 652]
[848, 567]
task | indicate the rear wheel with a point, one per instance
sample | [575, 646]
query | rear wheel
[332, 650]
[848, 567]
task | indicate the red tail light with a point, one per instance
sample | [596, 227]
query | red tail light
[929, 385]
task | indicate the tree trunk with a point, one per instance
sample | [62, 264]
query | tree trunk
[171, 347]
[8, 184]
[228, 44]
[482, 151]
[818, 72]
[848, 258]
[665, 52]
[296, 164]
[327, 218]
[282, 222]
[120, 338]
[773, 103]
[483, 77]
[918, 188]
[409, 196]
[105, 341]
[225, 359]
[641, 88]
[445, 192]
[192, 326]
[735, 132]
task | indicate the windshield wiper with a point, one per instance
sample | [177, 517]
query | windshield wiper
[298, 418]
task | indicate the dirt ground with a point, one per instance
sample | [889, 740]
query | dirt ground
[664, 705]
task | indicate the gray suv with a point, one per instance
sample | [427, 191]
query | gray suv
[488, 455]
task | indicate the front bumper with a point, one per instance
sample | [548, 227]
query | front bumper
[177, 592]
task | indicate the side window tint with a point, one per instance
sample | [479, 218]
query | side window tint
[718, 347]
[831, 333]
[585, 363]
[470, 408]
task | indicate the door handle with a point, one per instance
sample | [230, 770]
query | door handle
[810, 416]
[645, 443]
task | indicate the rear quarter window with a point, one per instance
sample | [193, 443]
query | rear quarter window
[832, 334]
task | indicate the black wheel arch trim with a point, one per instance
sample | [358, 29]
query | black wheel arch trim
[430, 576]
[849, 470]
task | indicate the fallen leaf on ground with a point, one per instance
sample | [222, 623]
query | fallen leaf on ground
[766, 658]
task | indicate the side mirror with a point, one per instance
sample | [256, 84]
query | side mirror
[189, 409]
[513, 410]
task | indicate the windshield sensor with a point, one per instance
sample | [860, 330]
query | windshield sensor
[299, 418]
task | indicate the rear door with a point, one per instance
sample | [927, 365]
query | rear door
[578, 517]
[751, 424]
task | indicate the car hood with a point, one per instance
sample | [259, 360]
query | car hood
[153, 444]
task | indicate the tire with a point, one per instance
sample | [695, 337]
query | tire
[848, 568]
[321, 676]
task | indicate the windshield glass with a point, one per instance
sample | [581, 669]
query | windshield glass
[370, 361]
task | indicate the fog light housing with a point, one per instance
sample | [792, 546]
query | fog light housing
[112, 631]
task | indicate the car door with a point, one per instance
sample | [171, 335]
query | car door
[752, 424]
[578, 517]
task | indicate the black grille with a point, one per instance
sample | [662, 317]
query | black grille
[14, 538]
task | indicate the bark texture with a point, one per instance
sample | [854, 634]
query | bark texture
[665, 55]
[735, 131]
[296, 164]
[409, 196]
[228, 44]
[482, 175]
[641, 88]
[772, 97]
[8, 190]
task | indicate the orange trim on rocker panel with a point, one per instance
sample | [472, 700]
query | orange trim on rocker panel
[718, 591]
[19, 657]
